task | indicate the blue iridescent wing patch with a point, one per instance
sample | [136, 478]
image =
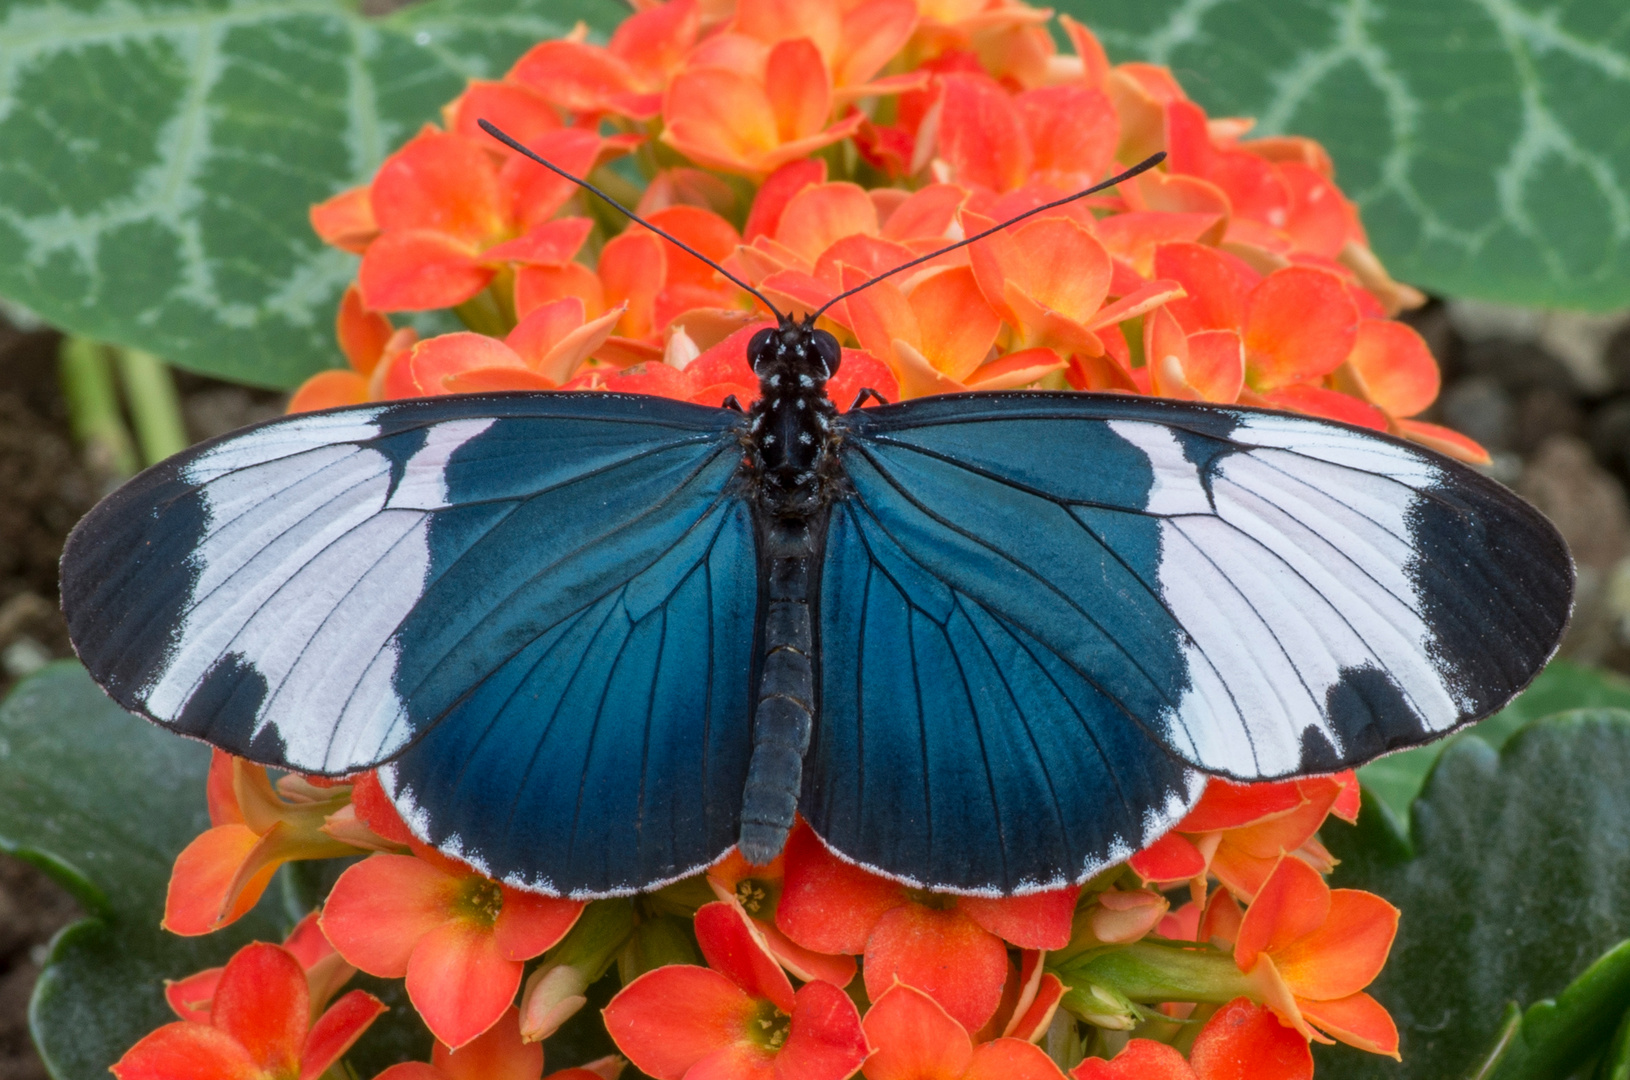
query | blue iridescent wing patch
[538, 608]
[1040, 613]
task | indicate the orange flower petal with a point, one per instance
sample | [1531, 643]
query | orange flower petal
[532, 194]
[346, 221]
[733, 947]
[1245, 1041]
[1330, 404]
[1443, 440]
[1032, 1022]
[1171, 858]
[441, 182]
[517, 110]
[529, 923]
[187, 1052]
[553, 243]
[1073, 131]
[982, 136]
[914, 1038]
[723, 119]
[926, 214]
[654, 41]
[380, 908]
[943, 953]
[958, 327]
[798, 89]
[536, 286]
[329, 390]
[1393, 367]
[544, 328]
[1230, 805]
[200, 894]
[776, 191]
[881, 315]
[1359, 1021]
[1300, 324]
[825, 1040]
[670, 1018]
[1217, 285]
[817, 217]
[580, 78]
[1016, 369]
[499, 1054]
[190, 998]
[633, 267]
[337, 1030]
[459, 981]
[1292, 904]
[859, 371]
[1345, 952]
[1221, 920]
[362, 333]
[420, 270]
[703, 230]
[827, 904]
[262, 1002]
[1011, 1059]
[1037, 921]
[1142, 1059]
[872, 33]
[423, 369]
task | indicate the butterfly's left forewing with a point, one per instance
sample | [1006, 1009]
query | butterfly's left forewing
[538, 609]
[1041, 612]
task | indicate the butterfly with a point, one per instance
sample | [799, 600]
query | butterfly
[984, 643]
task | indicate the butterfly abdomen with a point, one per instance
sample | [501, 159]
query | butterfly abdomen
[784, 714]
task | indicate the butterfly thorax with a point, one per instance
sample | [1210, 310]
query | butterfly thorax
[791, 425]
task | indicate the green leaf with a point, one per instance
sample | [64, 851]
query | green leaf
[1563, 685]
[103, 802]
[1557, 1037]
[1519, 881]
[1484, 139]
[161, 156]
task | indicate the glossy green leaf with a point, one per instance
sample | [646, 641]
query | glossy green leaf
[103, 802]
[1558, 1036]
[1484, 139]
[160, 157]
[1519, 881]
[1560, 687]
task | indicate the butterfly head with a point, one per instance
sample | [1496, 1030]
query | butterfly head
[793, 356]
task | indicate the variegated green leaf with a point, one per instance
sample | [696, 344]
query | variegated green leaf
[159, 157]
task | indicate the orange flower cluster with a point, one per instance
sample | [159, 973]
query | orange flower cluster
[957, 986]
[808, 145]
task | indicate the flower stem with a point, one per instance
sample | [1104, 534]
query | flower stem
[1149, 973]
[155, 407]
[86, 372]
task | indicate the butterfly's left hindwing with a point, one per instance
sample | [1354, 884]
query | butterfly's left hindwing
[538, 608]
[1040, 612]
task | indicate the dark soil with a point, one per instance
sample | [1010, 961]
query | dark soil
[1564, 445]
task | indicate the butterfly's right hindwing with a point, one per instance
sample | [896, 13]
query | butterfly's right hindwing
[538, 608]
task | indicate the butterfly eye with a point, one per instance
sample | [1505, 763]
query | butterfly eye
[760, 346]
[826, 347]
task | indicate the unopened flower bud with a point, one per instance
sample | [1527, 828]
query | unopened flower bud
[553, 995]
[1102, 1007]
[1124, 917]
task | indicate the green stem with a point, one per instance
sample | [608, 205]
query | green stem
[1149, 974]
[155, 407]
[86, 372]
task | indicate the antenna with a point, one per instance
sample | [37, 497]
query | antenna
[493, 130]
[1141, 167]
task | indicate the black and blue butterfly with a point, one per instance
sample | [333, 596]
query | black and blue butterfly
[984, 643]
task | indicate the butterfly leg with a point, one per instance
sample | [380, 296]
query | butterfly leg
[731, 403]
[868, 392]
[784, 717]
